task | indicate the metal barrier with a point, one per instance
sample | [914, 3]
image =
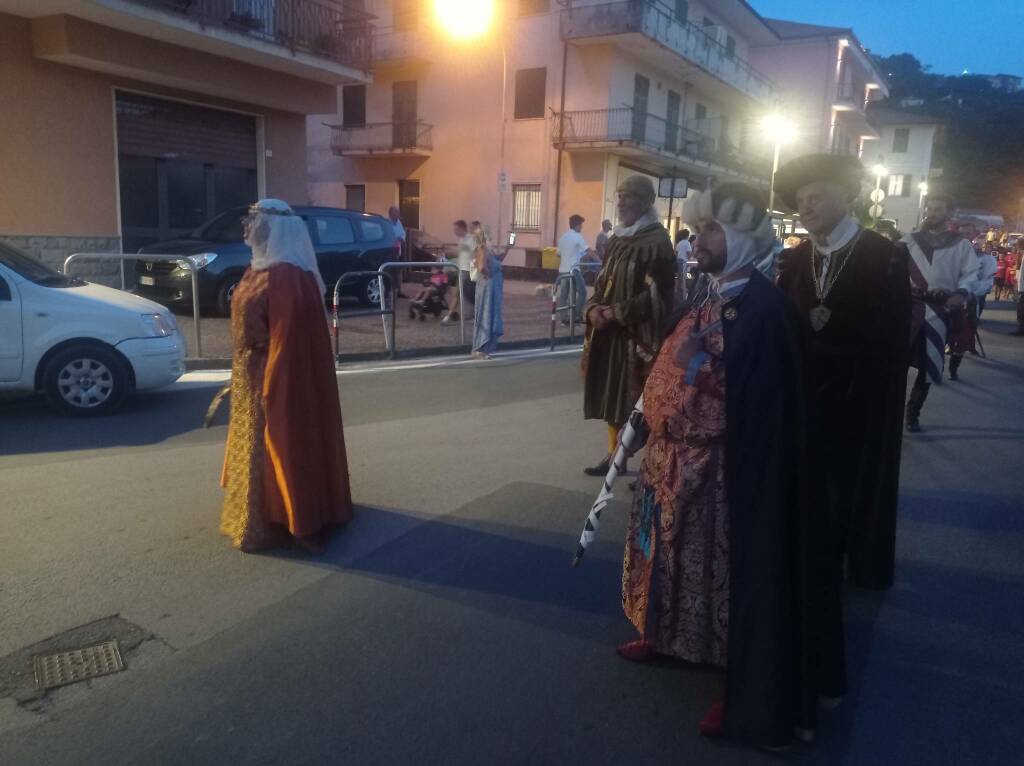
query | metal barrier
[444, 265]
[386, 295]
[352, 276]
[571, 306]
[179, 259]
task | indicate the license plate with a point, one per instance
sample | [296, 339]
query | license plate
[147, 281]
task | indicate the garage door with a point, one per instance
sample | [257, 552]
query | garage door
[179, 165]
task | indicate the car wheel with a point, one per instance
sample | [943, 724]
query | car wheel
[369, 293]
[86, 379]
[225, 293]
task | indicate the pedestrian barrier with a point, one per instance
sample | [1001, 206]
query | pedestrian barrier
[184, 261]
[336, 316]
[571, 306]
[385, 311]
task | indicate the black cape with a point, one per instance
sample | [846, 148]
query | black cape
[775, 555]
[856, 367]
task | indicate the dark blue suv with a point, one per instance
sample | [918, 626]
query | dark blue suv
[344, 240]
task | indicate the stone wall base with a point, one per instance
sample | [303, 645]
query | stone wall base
[52, 250]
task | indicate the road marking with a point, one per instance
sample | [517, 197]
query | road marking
[198, 378]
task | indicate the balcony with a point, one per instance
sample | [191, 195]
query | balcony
[325, 29]
[383, 139]
[692, 146]
[397, 48]
[652, 25]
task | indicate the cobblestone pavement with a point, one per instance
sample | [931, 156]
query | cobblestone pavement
[526, 314]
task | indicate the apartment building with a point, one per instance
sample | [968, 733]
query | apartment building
[128, 121]
[827, 80]
[905, 147]
[593, 92]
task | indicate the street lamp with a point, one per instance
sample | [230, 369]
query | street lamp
[923, 187]
[467, 20]
[780, 130]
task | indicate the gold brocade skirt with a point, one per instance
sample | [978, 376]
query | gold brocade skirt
[242, 518]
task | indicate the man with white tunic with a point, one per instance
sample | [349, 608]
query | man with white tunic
[571, 249]
[943, 268]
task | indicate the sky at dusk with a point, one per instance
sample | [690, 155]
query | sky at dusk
[981, 36]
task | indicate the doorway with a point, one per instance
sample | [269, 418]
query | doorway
[409, 203]
[403, 114]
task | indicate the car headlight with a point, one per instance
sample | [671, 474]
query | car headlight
[159, 325]
[200, 261]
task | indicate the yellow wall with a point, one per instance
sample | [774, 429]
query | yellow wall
[57, 149]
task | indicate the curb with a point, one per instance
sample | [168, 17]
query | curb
[224, 363]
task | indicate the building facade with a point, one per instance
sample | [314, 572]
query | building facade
[905, 148]
[591, 92]
[827, 81]
[129, 121]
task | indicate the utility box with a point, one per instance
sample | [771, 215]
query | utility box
[549, 258]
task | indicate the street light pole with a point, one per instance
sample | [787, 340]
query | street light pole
[771, 186]
[501, 148]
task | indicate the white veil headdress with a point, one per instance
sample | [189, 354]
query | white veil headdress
[287, 239]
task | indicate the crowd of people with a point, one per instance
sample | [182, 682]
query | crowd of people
[773, 390]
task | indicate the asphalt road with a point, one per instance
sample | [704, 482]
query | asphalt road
[444, 625]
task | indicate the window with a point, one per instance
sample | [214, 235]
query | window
[371, 230]
[730, 46]
[672, 122]
[405, 15]
[641, 94]
[353, 106]
[682, 10]
[901, 139]
[526, 207]
[700, 112]
[334, 231]
[530, 93]
[708, 22]
[899, 185]
[533, 7]
[355, 197]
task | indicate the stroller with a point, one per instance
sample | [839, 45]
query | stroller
[431, 299]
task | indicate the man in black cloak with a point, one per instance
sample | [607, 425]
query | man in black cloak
[723, 554]
[851, 288]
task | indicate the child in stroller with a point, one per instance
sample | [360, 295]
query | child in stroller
[430, 299]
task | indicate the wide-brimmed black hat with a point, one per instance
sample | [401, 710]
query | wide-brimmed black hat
[838, 168]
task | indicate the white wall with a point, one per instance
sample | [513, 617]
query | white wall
[916, 162]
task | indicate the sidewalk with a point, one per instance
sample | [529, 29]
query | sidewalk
[527, 317]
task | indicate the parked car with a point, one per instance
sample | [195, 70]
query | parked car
[344, 240]
[85, 346]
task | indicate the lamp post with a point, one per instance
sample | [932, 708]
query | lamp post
[923, 187]
[779, 130]
[465, 21]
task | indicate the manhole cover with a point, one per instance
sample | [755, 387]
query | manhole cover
[53, 670]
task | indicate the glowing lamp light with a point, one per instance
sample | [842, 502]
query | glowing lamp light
[464, 19]
[880, 170]
[923, 186]
[778, 128]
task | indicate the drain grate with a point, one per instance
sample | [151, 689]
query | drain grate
[53, 670]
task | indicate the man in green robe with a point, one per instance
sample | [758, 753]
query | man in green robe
[627, 314]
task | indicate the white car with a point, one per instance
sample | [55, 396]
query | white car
[84, 345]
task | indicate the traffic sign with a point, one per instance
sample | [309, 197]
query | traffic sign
[875, 211]
[877, 195]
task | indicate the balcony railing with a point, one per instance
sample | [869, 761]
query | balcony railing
[324, 28]
[681, 37]
[694, 141]
[397, 45]
[383, 138]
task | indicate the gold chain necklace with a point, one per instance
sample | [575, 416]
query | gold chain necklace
[821, 313]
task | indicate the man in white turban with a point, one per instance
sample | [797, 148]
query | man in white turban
[716, 546]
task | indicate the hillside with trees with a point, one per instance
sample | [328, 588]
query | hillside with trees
[982, 154]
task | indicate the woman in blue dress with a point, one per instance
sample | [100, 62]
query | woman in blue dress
[490, 291]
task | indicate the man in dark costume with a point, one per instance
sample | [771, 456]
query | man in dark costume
[851, 289]
[722, 555]
[627, 313]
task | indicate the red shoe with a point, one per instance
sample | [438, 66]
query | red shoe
[713, 722]
[637, 651]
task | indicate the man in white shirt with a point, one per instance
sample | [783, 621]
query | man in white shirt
[943, 269]
[571, 249]
[683, 250]
[466, 245]
[394, 215]
[985, 280]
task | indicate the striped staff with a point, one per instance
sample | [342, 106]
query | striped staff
[618, 465]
